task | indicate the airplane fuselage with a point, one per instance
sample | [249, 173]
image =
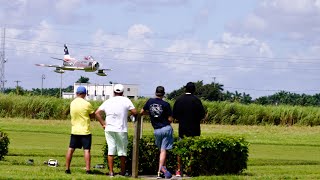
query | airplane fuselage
[87, 64]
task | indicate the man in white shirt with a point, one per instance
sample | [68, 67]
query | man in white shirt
[115, 125]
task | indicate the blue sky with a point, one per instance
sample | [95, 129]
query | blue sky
[253, 46]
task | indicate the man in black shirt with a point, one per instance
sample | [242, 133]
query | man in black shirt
[161, 116]
[188, 111]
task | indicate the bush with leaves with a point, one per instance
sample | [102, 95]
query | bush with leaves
[200, 155]
[212, 155]
[4, 143]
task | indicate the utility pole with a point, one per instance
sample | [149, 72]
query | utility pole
[61, 86]
[17, 81]
[61, 72]
[42, 78]
[2, 59]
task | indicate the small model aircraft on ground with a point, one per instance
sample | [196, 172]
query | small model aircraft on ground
[88, 64]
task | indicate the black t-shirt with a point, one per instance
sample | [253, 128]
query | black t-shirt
[159, 111]
[189, 111]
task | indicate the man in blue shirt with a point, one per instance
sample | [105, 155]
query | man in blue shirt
[161, 116]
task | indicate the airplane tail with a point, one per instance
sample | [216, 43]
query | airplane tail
[66, 52]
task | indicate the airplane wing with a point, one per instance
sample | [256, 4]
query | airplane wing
[57, 58]
[47, 65]
[101, 72]
[70, 68]
[105, 69]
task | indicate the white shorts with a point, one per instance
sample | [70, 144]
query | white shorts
[117, 143]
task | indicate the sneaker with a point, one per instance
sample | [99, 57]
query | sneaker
[160, 175]
[111, 174]
[125, 173]
[68, 171]
[178, 173]
[166, 173]
[89, 172]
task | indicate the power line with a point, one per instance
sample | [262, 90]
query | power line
[172, 37]
[174, 54]
[145, 36]
[273, 90]
[188, 64]
[164, 53]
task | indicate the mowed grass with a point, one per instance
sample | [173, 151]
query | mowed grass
[275, 152]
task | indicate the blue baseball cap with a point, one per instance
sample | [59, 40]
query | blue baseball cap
[81, 90]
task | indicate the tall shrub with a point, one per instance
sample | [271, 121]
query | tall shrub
[4, 145]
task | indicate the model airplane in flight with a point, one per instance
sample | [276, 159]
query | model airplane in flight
[88, 64]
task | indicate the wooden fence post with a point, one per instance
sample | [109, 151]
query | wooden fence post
[135, 151]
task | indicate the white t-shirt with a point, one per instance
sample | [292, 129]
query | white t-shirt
[116, 109]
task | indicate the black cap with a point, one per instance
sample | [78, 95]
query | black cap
[160, 91]
[190, 87]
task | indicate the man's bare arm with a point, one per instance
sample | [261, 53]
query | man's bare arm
[99, 118]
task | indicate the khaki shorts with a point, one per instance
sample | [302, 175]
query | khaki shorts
[117, 143]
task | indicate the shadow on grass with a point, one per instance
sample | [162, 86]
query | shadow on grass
[97, 172]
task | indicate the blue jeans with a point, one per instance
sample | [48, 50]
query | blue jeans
[164, 137]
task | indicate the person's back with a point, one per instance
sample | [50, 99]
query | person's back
[81, 111]
[188, 110]
[80, 119]
[161, 116]
[115, 125]
[159, 111]
[116, 113]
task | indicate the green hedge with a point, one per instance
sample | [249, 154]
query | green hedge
[200, 156]
[253, 114]
[42, 107]
[213, 155]
[36, 107]
[4, 143]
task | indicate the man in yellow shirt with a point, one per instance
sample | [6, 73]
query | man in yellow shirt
[81, 112]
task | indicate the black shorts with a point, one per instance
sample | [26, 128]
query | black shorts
[79, 141]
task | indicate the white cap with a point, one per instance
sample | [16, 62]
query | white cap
[118, 88]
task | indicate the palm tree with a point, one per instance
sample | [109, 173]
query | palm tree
[237, 96]
[83, 79]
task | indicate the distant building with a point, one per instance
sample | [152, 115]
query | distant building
[101, 92]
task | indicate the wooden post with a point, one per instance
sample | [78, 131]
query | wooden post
[135, 151]
[141, 127]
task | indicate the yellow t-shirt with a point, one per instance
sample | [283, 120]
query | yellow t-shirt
[80, 110]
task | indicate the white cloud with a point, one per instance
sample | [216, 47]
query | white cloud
[33, 40]
[185, 46]
[291, 6]
[29, 12]
[286, 19]
[67, 6]
[255, 22]
[231, 52]
[148, 3]
[138, 31]
[130, 47]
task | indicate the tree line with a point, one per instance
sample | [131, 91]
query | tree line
[55, 92]
[215, 92]
[210, 92]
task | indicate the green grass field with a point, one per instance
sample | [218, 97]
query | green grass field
[275, 152]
